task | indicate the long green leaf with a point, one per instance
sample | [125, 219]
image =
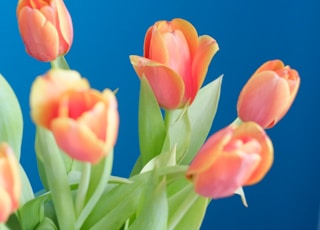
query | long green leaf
[27, 192]
[47, 224]
[179, 132]
[153, 212]
[201, 114]
[186, 208]
[49, 153]
[98, 181]
[116, 205]
[32, 213]
[11, 122]
[151, 125]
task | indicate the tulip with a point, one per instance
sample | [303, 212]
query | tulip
[83, 121]
[45, 27]
[268, 94]
[233, 157]
[10, 183]
[175, 61]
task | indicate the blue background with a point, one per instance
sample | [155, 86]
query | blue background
[249, 33]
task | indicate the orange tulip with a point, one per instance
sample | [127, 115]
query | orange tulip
[175, 61]
[83, 121]
[235, 156]
[268, 94]
[10, 183]
[45, 27]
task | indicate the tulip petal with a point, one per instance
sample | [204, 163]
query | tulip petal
[112, 119]
[266, 153]
[205, 52]
[271, 65]
[147, 41]
[10, 183]
[46, 92]
[189, 32]
[261, 98]
[158, 51]
[77, 140]
[166, 84]
[226, 175]
[294, 83]
[5, 205]
[209, 152]
[65, 27]
[39, 35]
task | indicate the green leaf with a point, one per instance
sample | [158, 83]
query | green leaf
[11, 122]
[98, 180]
[153, 212]
[72, 168]
[186, 208]
[162, 160]
[240, 192]
[4, 227]
[179, 132]
[116, 205]
[47, 224]
[12, 223]
[151, 125]
[32, 213]
[201, 114]
[49, 154]
[27, 192]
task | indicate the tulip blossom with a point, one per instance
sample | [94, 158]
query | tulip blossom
[233, 157]
[83, 121]
[45, 27]
[175, 61]
[268, 94]
[10, 183]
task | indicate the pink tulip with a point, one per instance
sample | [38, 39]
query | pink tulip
[45, 27]
[83, 121]
[268, 94]
[235, 156]
[175, 61]
[10, 183]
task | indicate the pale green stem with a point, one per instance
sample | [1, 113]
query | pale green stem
[103, 181]
[168, 119]
[237, 121]
[83, 187]
[188, 201]
[60, 63]
[57, 180]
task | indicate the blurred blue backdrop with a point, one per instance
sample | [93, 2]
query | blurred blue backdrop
[249, 33]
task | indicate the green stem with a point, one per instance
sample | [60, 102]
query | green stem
[55, 172]
[168, 119]
[60, 63]
[237, 121]
[99, 189]
[183, 207]
[83, 187]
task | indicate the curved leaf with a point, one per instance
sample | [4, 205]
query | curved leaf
[201, 114]
[11, 122]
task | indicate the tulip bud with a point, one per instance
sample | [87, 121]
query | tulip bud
[268, 94]
[10, 183]
[233, 157]
[45, 27]
[83, 121]
[175, 61]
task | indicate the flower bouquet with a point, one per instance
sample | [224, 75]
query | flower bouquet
[179, 171]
